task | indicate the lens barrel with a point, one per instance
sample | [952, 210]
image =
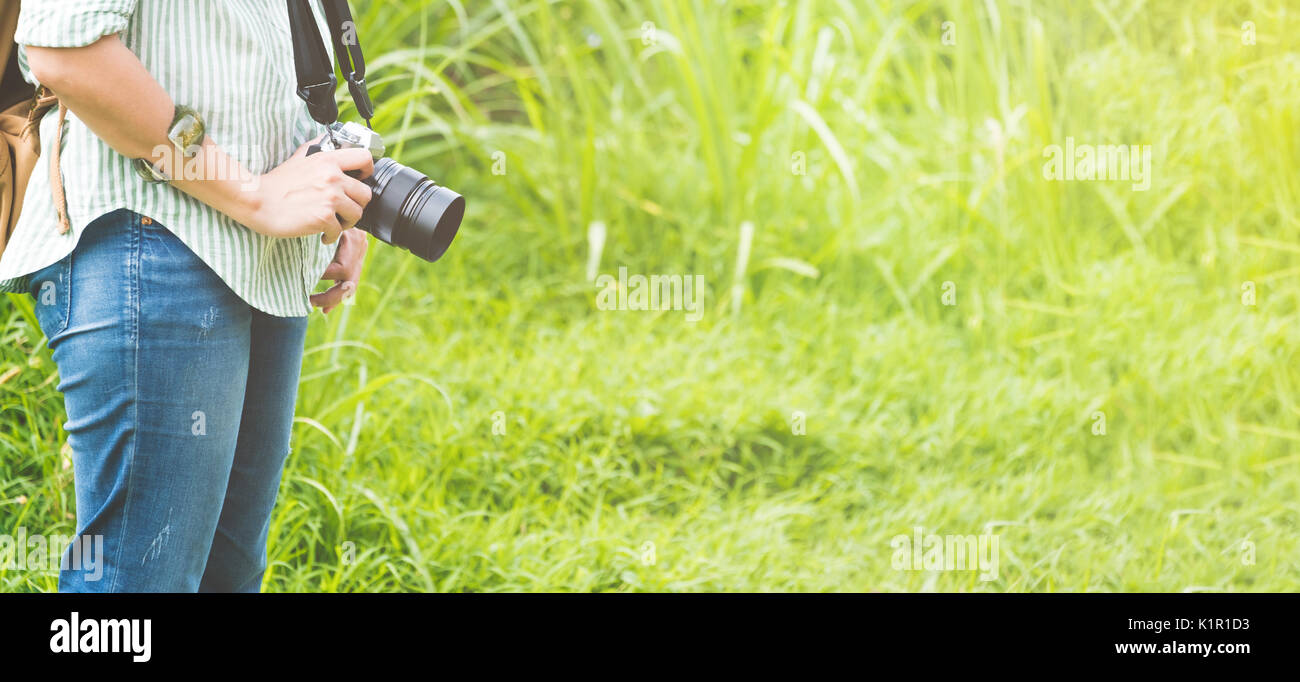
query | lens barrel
[409, 210]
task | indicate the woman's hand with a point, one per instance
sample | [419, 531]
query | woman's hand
[309, 194]
[344, 270]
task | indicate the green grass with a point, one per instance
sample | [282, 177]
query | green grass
[923, 166]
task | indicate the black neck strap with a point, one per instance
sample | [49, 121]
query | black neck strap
[316, 78]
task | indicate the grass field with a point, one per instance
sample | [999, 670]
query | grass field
[917, 329]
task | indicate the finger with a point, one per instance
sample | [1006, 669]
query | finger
[347, 209]
[351, 160]
[358, 191]
[331, 232]
[329, 298]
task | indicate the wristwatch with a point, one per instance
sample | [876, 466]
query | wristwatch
[185, 132]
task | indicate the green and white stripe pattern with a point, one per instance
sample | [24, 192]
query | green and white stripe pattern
[233, 63]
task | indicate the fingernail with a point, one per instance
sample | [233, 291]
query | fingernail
[348, 289]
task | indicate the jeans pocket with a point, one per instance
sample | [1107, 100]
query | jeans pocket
[51, 286]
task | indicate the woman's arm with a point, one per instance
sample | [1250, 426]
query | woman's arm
[112, 92]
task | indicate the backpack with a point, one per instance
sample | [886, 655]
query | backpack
[21, 111]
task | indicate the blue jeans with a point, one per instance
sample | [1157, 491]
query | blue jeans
[179, 398]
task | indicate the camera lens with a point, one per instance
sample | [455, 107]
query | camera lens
[409, 210]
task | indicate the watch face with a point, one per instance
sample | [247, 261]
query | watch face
[186, 130]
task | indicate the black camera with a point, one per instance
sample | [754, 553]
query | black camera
[406, 208]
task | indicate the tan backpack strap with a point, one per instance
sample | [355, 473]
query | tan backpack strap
[56, 177]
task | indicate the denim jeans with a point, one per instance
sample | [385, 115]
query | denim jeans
[179, 399]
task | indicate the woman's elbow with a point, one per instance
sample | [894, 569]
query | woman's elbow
[60, 68]
[48, 65]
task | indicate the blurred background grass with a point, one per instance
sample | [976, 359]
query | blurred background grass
[645, 452]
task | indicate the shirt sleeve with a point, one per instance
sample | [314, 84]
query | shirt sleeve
[71, 23]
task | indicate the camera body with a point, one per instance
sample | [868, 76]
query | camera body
[406, 208]
[353, 136]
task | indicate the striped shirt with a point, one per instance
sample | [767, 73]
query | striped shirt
[230, 61]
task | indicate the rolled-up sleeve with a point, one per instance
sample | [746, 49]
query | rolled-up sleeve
[71, 23]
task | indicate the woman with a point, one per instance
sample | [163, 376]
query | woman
[176, 304]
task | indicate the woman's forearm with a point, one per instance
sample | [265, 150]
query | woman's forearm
[112, 92]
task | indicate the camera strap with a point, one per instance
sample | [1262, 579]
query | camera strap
[316, 79]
